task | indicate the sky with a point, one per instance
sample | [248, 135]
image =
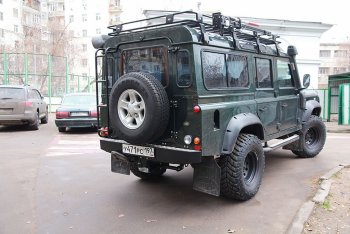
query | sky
[334, 12]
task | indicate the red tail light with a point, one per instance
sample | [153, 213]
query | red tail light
[93, 113]
[196, 109]
[62, 114]
[28, 104]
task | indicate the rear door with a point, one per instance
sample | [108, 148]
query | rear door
[12, 101]
[266, 96]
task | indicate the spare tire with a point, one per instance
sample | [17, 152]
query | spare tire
[138, 108]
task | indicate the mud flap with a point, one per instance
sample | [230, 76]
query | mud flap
[206, 176]
[119, 163]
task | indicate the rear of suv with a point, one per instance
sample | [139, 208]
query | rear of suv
[206, 91]
[22, 105]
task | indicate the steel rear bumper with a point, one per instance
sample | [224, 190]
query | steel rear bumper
[162, 153]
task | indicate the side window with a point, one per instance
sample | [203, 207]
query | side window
[31, 94]
[237, 71]
[148, 60]
[214, 70]
[183, 69]
[284, 77]
[263, 73]
[37, 95]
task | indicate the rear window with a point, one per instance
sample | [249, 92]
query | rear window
[149, 60]
[76, 100]
[12, 93]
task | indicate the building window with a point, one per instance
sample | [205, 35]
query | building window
[84, 4]
[15, 28]
[84, 33]
[1, 16]
[84, 47]
[84, 62]
[98, 16]
[84, 17]
[71, 18]
[338, 70]
[0, 1]
[98, 31]
[15, 12]
[340, 53]
[116, 2]
[325, 53]
[323, 70]
[2, 33]
[84, 76]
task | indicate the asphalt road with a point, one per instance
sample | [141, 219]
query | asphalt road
[54, 182]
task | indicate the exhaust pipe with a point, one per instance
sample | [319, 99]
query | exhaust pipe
[99, 41]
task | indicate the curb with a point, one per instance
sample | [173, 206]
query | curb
[303, 214]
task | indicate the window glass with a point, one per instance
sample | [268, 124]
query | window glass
[263, 73]
[284, 76]
[237, 71]
[11, 93]
[79, 100]
[37, 95]
[214, 70]
[148, 60]
[183, 69]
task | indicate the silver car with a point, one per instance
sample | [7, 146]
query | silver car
[22, 105]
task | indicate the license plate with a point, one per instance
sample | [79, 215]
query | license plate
[138, 150]
[79, 114]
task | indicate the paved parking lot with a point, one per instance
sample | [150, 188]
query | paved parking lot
[54, 182]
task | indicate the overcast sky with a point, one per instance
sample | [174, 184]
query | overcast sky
[331, 12]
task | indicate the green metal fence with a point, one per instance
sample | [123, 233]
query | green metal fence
[49, 74]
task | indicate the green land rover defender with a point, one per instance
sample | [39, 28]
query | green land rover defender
[207, 91]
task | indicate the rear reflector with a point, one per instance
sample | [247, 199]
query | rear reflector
[62, 114]
[103, 132]
[28, 104]
[93, 113]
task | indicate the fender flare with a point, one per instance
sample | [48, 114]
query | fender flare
[235, 126]
[310, 106]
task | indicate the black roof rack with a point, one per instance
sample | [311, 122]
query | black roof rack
[217, 23]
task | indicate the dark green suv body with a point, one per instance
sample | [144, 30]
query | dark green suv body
[208, 91]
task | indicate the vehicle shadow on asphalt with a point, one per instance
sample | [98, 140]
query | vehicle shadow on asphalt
[79, 131]
[18, 128]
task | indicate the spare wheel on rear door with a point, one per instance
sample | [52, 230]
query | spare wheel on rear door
[138, 108]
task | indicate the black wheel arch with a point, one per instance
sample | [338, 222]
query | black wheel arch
[242, 123]
[312, 107]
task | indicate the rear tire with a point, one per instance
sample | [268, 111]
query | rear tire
[313, 138]
[242, 170]
[61, 129]
[155, 171]
[35, 124]
[45, 120]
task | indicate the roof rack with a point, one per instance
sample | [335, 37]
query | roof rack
[217, 23]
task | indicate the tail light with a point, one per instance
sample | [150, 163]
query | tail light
[93, 113]
[196, 109]
[28, 104]
[103, 132]
[62, 114]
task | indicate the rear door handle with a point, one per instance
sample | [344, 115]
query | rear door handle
[263, 109]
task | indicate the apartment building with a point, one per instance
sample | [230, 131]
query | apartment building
[335, 59]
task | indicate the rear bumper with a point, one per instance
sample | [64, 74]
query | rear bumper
[162, 153]
[76, 123]
[19, 119]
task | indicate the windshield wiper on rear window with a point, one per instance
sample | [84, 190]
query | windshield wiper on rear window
[5, 98]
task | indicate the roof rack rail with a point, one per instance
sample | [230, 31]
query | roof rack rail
[217, 23]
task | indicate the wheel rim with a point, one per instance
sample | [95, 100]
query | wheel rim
[131, 109]
[311, 137]
[250, 167]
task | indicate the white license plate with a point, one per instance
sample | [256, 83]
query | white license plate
[138, 150]
[78, 114]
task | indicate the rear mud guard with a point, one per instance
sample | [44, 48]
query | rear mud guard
[119, 163]
[206, 176]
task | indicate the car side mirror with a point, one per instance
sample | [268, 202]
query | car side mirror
[306, 81]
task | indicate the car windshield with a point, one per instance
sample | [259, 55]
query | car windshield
[79, 100]
[11, 93]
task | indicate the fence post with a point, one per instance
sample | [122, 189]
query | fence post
[78, 84]
[88, 84]
[5, 68]
[329, 101]
[25, 68]
[49, 82]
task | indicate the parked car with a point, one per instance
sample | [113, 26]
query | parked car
[22, 105]
[77, 110]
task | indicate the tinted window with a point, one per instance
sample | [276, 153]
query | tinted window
[148, 60]
[79, 100]
[237, 71]
[263, 73]
[183, 69]
[11, 93]
[284, 76]
[214, 70]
